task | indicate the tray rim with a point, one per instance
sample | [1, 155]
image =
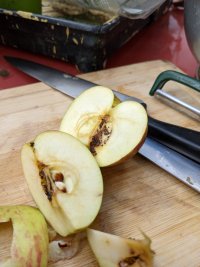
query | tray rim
[103, 28]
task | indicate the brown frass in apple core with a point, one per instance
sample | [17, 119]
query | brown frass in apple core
[102, 135]
[46, 184]
[50, 183]
[129, 261]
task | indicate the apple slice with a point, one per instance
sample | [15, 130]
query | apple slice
[113, 131]
[64, 179]
[30, 236]
[115, 251]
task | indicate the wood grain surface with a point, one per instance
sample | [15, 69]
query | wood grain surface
[137, 195]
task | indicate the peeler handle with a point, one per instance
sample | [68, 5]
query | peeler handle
[171, 75]
[180, 139]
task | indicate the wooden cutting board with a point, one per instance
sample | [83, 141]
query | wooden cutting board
[138, 194]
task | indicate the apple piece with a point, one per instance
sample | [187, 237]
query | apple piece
[64, 180]
[66, 248]
[30, 236]
[114, 251]
[112, 130]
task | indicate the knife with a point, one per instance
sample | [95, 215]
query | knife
[181, 165]
[182, 140]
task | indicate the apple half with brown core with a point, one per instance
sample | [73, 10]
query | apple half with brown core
[114, 251]
[112, 130]
[64, 179]
[30, 236]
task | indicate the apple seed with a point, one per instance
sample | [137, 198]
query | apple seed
[61, 186]
[51, 181]
[59, 177]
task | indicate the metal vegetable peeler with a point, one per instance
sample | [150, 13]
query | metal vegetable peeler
[178, 138]
[177, 77]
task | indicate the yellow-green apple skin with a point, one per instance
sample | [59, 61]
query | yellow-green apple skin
[114, 251]
[30, 237]
[64, 180]
[112, 130]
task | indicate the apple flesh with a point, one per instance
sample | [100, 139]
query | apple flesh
[113, 131]
[30, 236]
[64, 179]
[114, 251]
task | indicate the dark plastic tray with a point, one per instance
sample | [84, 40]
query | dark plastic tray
[84, 44]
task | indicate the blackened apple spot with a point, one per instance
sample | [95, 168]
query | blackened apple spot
[32, 144]
[64, 245]
[101, 136]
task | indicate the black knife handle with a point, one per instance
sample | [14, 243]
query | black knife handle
[180, 139]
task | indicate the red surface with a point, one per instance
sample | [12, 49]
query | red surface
[164, 39]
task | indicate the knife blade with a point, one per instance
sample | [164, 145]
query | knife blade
[180, 139]
[184, 169]
[71, 85]
[74, 86]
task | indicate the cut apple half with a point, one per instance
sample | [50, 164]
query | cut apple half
[112, 130]
[64, 179]
[30, 237]
[114, 251]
